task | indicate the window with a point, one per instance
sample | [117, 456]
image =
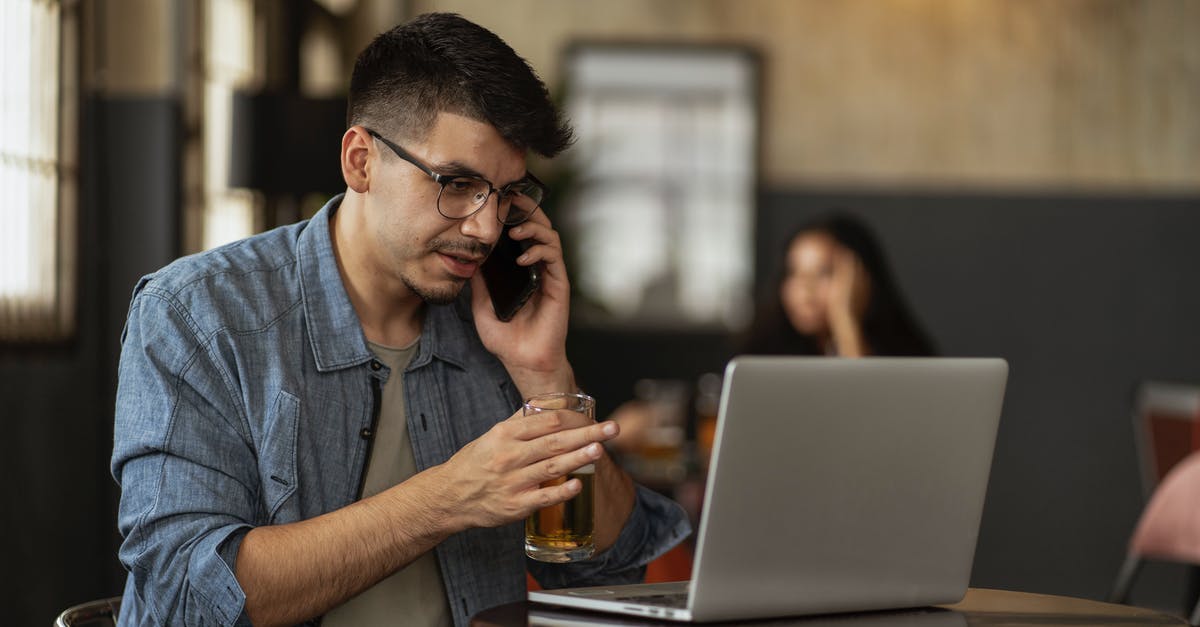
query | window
[216, 212]
[661, 209]
[38, 95]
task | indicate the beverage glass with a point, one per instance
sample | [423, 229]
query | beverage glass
[563, 532]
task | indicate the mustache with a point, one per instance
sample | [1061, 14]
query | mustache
[470, 247]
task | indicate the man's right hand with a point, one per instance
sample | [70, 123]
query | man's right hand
[497, 478]
[298, 570]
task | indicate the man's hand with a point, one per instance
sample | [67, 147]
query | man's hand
[497, 478]
[298, 570]
[532, 346]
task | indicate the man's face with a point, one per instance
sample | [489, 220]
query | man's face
[433, 256]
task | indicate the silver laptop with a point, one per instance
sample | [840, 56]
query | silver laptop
[836, 485]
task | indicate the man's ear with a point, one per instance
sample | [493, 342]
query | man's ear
[356, 145]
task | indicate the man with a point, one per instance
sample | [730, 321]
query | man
[314, 422]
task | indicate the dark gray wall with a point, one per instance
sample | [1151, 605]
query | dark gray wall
[59, 531]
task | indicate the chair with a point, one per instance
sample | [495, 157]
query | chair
[99, 612]
[1169, 528]
[1166, 428]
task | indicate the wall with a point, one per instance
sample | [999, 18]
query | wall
[1079, 94]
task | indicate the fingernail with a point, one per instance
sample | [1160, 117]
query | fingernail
[523, 258]
[517, 230]
[593, 450]
[609, 428]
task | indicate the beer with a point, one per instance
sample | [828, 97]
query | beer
[563, 532]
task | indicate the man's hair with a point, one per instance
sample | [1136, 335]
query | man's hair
[440, 62]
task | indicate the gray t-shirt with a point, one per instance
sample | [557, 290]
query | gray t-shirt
[414, 595]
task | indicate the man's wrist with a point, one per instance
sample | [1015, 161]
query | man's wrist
[532, 382]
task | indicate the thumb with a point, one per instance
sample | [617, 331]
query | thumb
[481, 298]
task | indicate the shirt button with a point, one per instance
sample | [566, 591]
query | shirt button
[366, 433]
[375, 365]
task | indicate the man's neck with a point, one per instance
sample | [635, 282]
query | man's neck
[389, 312]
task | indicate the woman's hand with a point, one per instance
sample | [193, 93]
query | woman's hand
[849, 294]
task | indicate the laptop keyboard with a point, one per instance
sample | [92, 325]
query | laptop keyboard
[676, 601]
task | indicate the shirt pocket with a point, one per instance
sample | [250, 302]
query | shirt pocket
[277, 453]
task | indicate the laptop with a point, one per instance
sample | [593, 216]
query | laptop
[835, 485]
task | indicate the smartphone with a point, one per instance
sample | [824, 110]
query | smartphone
[510, 284]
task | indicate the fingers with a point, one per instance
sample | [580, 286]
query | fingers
[552, 493]
[559, 466]
[481, 301]
[553, 434]
[541, 235]
[561, 424]
[843, 262]
[547, 244]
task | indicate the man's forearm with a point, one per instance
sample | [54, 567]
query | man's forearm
[615, 497]
[294, 572]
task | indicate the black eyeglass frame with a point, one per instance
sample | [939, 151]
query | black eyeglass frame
[444, 179]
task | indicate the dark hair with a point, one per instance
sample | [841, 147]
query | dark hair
[440, 62]
[888, 326]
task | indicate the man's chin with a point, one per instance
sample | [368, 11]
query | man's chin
[438, 294]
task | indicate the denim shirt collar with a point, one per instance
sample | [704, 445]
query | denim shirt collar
[336, 334]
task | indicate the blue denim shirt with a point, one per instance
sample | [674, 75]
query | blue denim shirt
[247, 397]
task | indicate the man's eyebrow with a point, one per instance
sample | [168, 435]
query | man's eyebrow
[458, 168]
[455, 168]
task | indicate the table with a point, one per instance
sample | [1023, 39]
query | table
[981, 606]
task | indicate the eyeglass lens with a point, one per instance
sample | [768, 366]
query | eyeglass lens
[461, 197]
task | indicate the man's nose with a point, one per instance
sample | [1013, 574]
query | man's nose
[484, 225]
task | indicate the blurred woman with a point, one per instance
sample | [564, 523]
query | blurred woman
[836, 297]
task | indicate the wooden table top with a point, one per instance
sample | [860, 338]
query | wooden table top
[979, 607]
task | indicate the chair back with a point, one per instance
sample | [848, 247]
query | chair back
[1166, 427]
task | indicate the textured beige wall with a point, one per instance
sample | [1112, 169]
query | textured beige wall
[131, 47]
[995, 94]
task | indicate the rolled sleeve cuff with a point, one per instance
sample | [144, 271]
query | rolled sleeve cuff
[654, 527]
[221, 591]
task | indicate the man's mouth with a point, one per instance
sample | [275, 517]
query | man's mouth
[461, 258]
[462, 266]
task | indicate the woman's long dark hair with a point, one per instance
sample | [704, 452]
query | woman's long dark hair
[888, 325]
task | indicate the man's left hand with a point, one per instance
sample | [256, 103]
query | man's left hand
[532, 345]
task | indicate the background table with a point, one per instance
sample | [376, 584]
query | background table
[979, 607]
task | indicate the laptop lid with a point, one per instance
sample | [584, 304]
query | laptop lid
[838, 485]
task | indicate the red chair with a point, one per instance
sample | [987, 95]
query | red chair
[1166, 428]
[1169, 528]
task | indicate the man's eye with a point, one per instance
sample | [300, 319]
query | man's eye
[460, 186]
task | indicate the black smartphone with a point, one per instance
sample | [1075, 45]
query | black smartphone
[510, 284]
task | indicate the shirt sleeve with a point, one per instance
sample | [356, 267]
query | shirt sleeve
[185, 463]
[655, 526]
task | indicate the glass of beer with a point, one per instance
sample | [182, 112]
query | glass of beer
[563, 532]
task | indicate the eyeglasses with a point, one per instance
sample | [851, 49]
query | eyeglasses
[462, 196]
